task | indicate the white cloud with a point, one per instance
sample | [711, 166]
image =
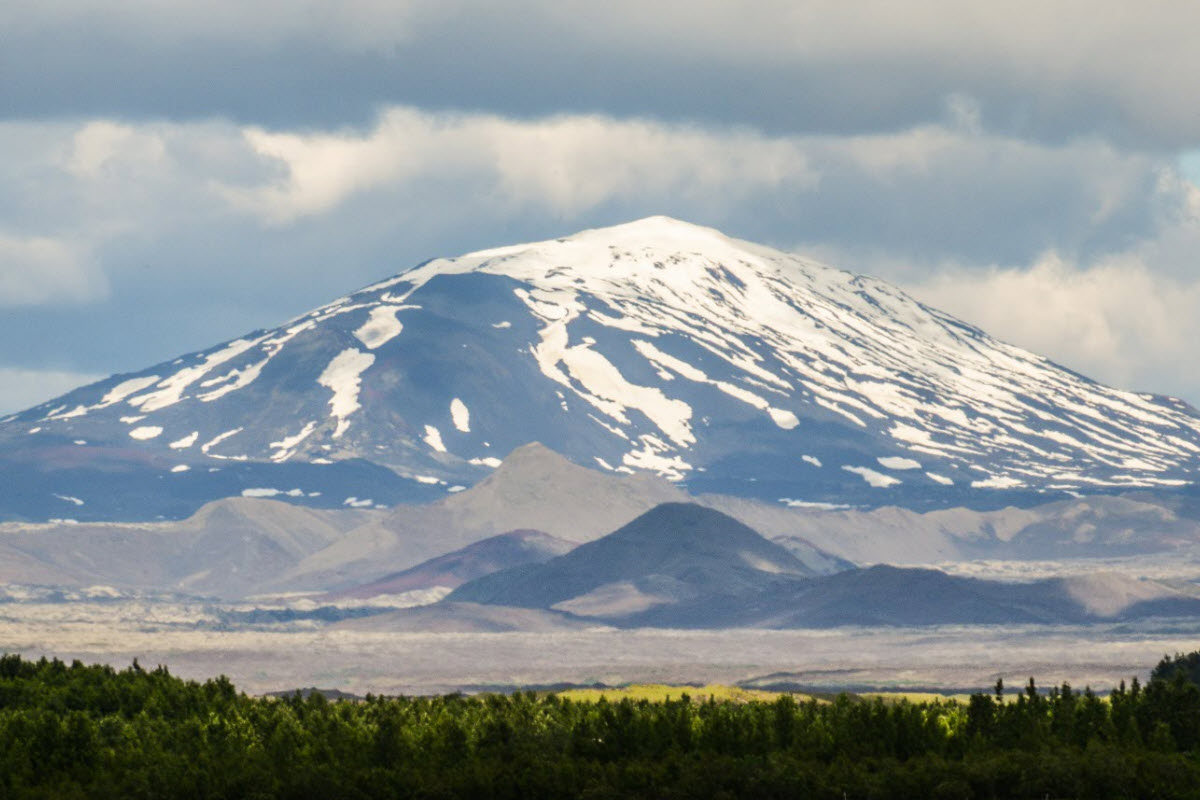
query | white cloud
[924, 207]
[39, 270]
[24, 388]
[934, 189]
[1115, 321]
[103, 144]
[565, 164]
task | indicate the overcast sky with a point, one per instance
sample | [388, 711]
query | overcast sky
[176, 174]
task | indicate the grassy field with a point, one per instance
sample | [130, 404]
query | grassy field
[915, 697]
[658, 693]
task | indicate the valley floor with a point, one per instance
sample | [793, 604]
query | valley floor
[268, 656]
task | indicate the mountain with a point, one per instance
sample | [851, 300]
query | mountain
[493, 554]
[467, 618]
[228, 548]
[654, 347]
[687, 566]
[673, 553]
[449, 617]
[1077, 528]
[533, 488]
[886, 595]
[243, 546]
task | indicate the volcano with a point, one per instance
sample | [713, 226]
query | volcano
[655, 346]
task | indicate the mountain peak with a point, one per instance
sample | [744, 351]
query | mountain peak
[649, 231]
[655, 229]
[534, 479]
[533, 457]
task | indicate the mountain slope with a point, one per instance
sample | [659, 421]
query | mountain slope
[1088, 527]
[672, 553]
[655, 346]
[229, 548]
[535, 487]
[493, 554]
[884, 595]
[633, 596]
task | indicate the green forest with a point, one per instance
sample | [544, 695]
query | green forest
[79, 731]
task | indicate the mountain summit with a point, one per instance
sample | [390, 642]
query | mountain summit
[656, 346]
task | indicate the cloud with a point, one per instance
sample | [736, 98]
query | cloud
[23, 388]
[37, 271]
[565, 164]
[103, 145]
[933, 191]
[348, 23]
[1046, 71]
[180, 234]
[1189, 165]
[1115, 321]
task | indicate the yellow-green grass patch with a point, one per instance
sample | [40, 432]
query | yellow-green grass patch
[660, 693]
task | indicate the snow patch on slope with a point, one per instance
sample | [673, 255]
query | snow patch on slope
[265, 492]
[652, 457]
[242, 377]
[285, 448]
[216, 440]
[170, 390]
[381, 326]
[461, 415]
[489, 461]
[997, 482]
[433, 438]
[784, 419]
[126, 388]
[875, 479]
[185, 442]
[343, 376]
[593, 377]
[898, 463]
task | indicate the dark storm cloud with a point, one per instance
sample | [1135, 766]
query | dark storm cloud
[1046, 71]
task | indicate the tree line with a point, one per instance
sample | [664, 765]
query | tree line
[88, 731]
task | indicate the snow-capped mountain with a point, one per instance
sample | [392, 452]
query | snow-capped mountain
[653, 346]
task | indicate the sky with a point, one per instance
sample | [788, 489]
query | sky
[173, 175]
